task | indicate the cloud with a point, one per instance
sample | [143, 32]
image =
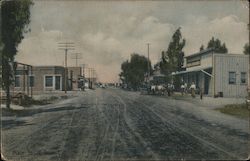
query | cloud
[107, 33]
[41, 49]
[112, 48]
[228, 29]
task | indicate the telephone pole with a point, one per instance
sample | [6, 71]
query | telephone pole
[93, 75]
[76, 56]
[90, 85]
[83, 66]
[148, 62]
[66, 46]
[91, 78]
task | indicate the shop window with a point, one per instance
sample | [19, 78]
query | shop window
[31, 81]
[232, 77]
[48, 81]
[17, 81]
[243, 77]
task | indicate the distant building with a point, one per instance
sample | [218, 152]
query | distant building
[74, 76]
[217, 74]
[90, 77]
[47, 78]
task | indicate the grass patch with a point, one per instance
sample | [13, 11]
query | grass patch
[238, 110]
[27, 102]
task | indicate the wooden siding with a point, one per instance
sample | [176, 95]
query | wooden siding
[205, 62]
[225, 63]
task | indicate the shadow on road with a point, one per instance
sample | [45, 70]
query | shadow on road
[10, 124]
[30, 112]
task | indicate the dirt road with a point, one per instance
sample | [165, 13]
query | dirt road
[115, 124]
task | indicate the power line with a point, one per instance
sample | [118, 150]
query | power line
[83, 66]
[66, 46]
[76, 56]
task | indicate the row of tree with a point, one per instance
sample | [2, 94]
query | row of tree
[217, 45]
[133, 71]
[246, 49]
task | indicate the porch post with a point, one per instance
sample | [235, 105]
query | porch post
[213, 68]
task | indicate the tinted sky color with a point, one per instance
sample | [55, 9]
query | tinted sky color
[106, 33]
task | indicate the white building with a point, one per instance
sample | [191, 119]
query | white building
[217, 74]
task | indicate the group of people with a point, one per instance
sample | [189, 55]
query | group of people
[184, 89]
[169, 88]
[160, 89]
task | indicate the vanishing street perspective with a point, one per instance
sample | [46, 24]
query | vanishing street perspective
[125, 80]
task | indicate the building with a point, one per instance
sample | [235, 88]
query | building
[39, 79]
[90, 77]
[47, 78]
[75, 74]
[217, 74]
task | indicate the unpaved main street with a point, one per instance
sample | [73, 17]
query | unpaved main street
[114, 124]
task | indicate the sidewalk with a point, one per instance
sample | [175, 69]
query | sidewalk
[209, 102]
[48, 94]
[21, 113]
[13, 107]
[52, 97]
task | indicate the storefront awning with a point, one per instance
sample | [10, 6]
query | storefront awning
[194, 70]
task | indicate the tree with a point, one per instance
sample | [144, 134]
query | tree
[134, 71]
[173, 58]
[15, 17]
[246, 49]
[125, 72]
[1, 52]
[217, 45]
[174, 54]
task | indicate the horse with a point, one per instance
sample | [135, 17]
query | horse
[153, 88]
[160, 89]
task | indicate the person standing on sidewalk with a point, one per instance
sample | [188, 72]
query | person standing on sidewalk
[193, 88]
[169, 89]
[172, 88]
[182, 89]
[201, 93]
[186, 88]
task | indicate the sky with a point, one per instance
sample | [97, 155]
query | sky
[106, 33]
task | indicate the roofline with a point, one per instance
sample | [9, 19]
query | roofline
[206, 51]
[55, 66]
[73, 67]
[209, 50]
[48, 66]
[230, 54]
[190, 71]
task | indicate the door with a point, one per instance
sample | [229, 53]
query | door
[58, 83]
[207, 81]
[206, 84]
